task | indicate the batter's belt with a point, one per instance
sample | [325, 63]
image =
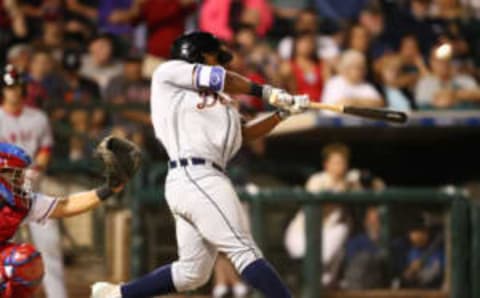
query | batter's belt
[192, 161]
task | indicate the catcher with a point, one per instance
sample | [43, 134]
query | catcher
[21, 266]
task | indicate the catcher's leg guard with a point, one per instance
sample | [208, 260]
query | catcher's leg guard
[21, 270]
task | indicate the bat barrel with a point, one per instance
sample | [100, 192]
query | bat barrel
[379, 114]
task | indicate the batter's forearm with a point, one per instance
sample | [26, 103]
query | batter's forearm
[76, 204]
[237, 84]
[261, 126]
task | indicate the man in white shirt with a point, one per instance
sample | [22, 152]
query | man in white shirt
[443, 88]
[335, 229]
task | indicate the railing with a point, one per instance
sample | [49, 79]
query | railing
[462, 243]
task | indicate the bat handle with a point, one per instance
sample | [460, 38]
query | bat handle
[326, 107]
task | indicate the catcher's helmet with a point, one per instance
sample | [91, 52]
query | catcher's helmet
[13, 162]
[190, 47]
[11, 77]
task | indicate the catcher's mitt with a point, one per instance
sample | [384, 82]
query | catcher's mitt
[121, 159]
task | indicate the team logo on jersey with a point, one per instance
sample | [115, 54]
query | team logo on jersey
[209, 99]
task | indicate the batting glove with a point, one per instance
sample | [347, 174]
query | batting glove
[300, 104]
[277, 97]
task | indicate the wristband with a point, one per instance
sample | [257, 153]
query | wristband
[256, 90]
[104, 192]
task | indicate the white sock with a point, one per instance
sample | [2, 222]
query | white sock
[219, 291]
[240, 290]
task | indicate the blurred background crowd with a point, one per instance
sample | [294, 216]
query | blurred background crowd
[407, 55]
[87, 63]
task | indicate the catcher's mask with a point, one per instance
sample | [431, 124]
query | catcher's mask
[13, 163]
[191, 47]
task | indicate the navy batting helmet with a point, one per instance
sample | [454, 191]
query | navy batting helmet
[191, 47]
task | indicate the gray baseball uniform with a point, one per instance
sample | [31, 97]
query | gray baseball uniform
[201, 132]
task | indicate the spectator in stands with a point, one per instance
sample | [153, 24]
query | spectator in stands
[381, 38]
[390, 73]
[130, 88]
[365, 266]
[416, 20]
[306, 23]
[349, 86]
[334, 177]
[358, 38]
[52, 38]
[43, 84]
[425, 258]
[304, 73]
[77, 88]
[444, 89]
[245, 38]
[100, 64]
[413, 64]
[222, 17]
[20, 56]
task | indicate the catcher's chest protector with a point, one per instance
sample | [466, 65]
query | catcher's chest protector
[10, 220]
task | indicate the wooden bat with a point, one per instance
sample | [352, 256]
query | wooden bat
[370, 113]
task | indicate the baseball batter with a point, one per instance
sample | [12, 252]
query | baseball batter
[197, 123]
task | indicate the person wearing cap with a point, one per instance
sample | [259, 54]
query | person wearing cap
[425, 257]
[443, 88]
[77, 88]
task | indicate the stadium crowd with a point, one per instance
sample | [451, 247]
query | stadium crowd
[87, 65]
[407, 55]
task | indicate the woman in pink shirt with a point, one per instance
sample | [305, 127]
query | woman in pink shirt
[220, 16]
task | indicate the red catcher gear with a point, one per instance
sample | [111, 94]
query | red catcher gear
[14, 202]
[10, 219]
[21, 270]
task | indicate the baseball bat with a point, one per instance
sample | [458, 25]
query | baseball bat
[370, 113]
